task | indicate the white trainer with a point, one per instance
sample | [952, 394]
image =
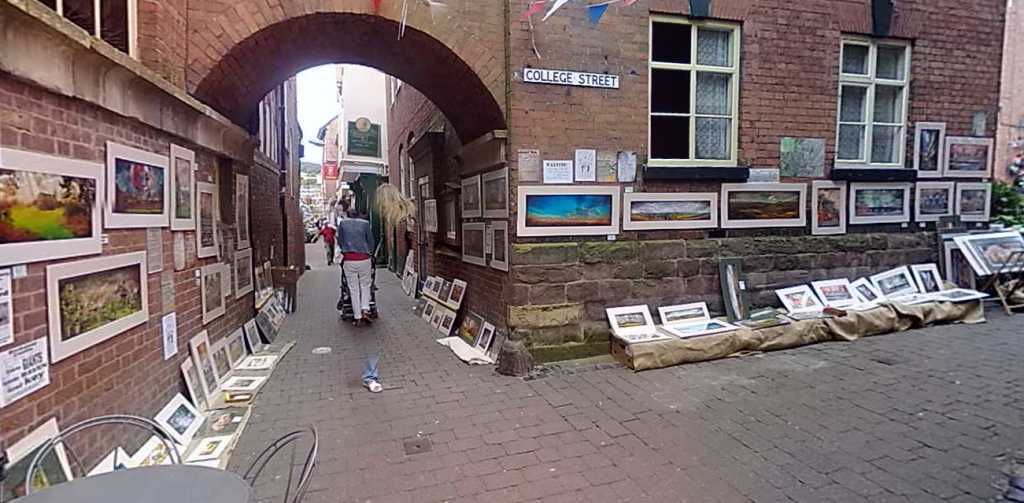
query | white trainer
[374, 387]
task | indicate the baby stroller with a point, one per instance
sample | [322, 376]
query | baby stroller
[345, 302]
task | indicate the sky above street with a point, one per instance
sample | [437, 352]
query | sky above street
[317, 104]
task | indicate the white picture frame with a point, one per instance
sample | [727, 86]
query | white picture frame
[497, 177]
[243, 238]
[855, 218]
[51, 249]
[202, 358]
[530, 227]
[919, 129]
[927, 276]
[21, 452]
[111, 462]
[243, 267]
[898, 282]
[699, 329]
[630, 222]
[212, 295]
[973, 247]
[971, 214]
[959, 295]
[837, 293]
[682, 314]
[208, 246]
[731, 221]
[799, 299]
[257, 362]
[486, 337]
[953, 169]
[428, 310]
[470, 255]
[62, 347]
[243, 383]
[122, 220]
[210, 448]
[817, 228]
[190, 373]
[180, 419]
[430, 215]
[948, 247]
[627, 320]
[471, 200]
[236, 347]
[188, 158]
[499, 245]
[920, 197]
[457, 294]
[447, 323]
[252, 336]
[152, 453]
[866, 291]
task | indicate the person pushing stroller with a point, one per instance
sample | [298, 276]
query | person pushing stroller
[355, 238]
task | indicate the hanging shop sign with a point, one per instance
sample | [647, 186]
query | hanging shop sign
[363, 138]
[570, 78]
[330, 170]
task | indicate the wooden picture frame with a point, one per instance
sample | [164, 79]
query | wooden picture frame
[88, 177]
[545, 210]
[80, 286]
[930, 136]
[865, 214]
[736, 214]
[211, 286]
[669, 210]
[973, 210]
[129, 168]
[965, 154]
[183, 188]
[499, 249]
[473, 234]
[243, 269]
[202, 358]
[926, 192]
[207, 216]
[471, 201]
[494, 190]
[180, 419]
[826, 210]
[242, 235]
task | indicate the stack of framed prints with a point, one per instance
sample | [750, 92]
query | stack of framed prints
[691, 320]
[991, 253]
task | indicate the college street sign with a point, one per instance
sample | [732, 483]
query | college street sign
[570, 78]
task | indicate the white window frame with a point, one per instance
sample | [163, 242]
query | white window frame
[693, 67]
[870, 81]
[133, 23]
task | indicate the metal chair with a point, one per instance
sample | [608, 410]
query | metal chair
[115, 419]
[258, 464]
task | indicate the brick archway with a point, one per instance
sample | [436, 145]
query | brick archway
[465, 83]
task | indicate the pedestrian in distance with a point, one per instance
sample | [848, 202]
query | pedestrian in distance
[328, 233]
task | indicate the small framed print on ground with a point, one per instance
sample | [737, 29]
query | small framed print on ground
[928, 278]
[202, 358]
[457, 293]
[934, 201]
[649, 211]
[879, 203]
[473, 237]
[499, 249]
[866, 291]
[471, 207]
[837, 293]
[828, 201]
[929, 148]
[180, 419]
[958, 269]
[730, 273]
[799, 299]
[973, 201]
[568, 211]
[494, 186]
[896, 282]
[138, 188]
[192, 382]
[754, 205]
[968, 157]
[210, 448]
[630, 320]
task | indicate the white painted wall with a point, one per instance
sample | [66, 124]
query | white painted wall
[363, 94]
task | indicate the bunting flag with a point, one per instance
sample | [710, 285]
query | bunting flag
[557, 5]
[533, 8]
[627, 3]
[596, 11]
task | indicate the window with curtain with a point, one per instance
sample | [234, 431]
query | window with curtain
[872, 116]
[694, 90]
[113, 21]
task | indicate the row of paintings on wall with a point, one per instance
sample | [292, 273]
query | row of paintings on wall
[54, 207]
[597, 210]
[485, 195]
[486, 244]
[937, 155]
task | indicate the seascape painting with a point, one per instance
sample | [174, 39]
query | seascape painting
[670, 211]
[182, 188]
[879, 202]
[830, 206]
[138, 188]
[97, 299]
[763, 205]
[568, 210]
[37, 207]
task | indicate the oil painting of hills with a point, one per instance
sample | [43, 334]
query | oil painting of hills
[670, 211]
[767, 205]
[44, 207]
[568, 210]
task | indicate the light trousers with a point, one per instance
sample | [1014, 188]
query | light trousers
[358, 274]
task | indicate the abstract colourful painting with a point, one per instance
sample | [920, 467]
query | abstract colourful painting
[828, 200]
[554, 211]
[138, 189]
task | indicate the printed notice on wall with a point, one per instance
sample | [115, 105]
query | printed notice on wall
[170, 335]
[627, 166]
[529, 165]
[154, 250]
[167, 291]
[6, 308]
[24, 369]
[557, 171]
[606, 171]
[586, 171]
[179, 250]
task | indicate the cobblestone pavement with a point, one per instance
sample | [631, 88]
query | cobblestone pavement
[927, 415]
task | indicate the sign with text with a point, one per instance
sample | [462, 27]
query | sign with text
[363, 138]
[330, 170]
[570, 78]
[23, 370]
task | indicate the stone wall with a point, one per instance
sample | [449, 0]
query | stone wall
[560, 291]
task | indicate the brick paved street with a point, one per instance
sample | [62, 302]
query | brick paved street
[928, 415]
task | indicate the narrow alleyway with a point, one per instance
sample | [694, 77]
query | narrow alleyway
[929, 415]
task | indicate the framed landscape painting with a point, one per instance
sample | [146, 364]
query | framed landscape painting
[183, 189]
[211, 289]
[649, 211]
[877, 203]
[929, 142]
[242, 211]
[49, 207]
[92, 300]
[495, 193]
[968, 157]
[243, 273]
[828, 200]
[568, 211]
[471, 207]
[206, 219]
[973, 201]
[934, 201]
[746, 205]
[138, 188]
[473, 243]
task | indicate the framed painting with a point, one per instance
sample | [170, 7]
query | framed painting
[92, 300]
[183, 189]
[428, 310]
[879, 203]
[753, 205]
[799, 299]
[630, 320]
[207, 212]
[684, 313]
[437, 317]
[471, 207]
[486, 338]
[838, 293]
[928, 278]
[968, 157]
[866, 291]
[236, 347]
[973, 201]
[53, 469]
[138, 188]
[499, 250]
[894, 283]
[495, 193]
[457, 293]
[242, 211]
[988, 253]
[568, 211]
[202, 358]
[180, 419]
[730, 274]
[473, 243]
[699, 328]
[958, 270]
[243, 383]
[252, 336]
[934, 200]
[152, 453]
[430, 215]
[650, 211]
[447, 322]
[116, 460]
[211, 290]
[210, 448]
[828, 200]
[929, 142]
[469, 330]
[221, 360]
[244, 283]
[49, 207]
[191, 374]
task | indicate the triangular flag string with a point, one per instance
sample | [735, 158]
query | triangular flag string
[557, 5]
[596, 11]
[533, 8]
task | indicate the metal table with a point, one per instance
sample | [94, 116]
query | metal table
[151, 484]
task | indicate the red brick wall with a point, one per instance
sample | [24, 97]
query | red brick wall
[265, 186]
[127, 373]
[162, 38]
